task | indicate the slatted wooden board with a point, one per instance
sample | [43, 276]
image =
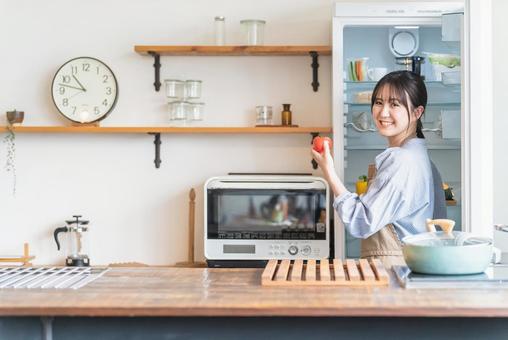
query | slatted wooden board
[325, 273]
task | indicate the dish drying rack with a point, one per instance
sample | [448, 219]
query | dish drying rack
[48, 277]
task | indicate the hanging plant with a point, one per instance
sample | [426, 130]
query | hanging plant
[10, 161]
[10, 142]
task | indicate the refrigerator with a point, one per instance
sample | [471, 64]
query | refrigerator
[371, 39]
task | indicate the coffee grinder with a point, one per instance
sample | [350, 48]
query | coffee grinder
[76, 242]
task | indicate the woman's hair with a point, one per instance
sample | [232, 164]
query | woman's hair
[409, 88]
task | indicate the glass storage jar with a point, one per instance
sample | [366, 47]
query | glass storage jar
[195, 111]
[174, 88]
[264, 115]
[178, 112]
[193, 89]
[254, 31]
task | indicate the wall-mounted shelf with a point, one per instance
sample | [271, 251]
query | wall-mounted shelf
[165, 129]
[157, 50]
[157, 130]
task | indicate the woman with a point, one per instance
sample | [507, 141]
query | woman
[407, 187]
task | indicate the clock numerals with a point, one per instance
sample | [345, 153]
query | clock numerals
[84, 90]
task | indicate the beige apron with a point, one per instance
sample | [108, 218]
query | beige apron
[384, 245]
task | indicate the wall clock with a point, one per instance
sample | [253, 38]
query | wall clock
[84, 90]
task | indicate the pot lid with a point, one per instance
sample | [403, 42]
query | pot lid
[443, 239]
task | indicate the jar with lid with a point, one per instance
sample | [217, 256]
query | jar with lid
[195, 111]
[178, 112]
[174, 88]
[220, 30]
[254, 31]
[192, 89]
[264, 115]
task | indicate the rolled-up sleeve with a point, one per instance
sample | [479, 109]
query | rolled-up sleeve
[366, 214]
[383, 203]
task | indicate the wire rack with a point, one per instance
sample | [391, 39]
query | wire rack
[48, 277]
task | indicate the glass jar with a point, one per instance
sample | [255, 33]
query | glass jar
[195, 111]
[174, 88]
[254, 31]
[264, 115]
[178, 111]
[220, 31]
[192, 89]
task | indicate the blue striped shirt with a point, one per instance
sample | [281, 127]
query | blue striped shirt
[405, 192]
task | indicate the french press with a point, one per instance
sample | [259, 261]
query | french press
[76, 245]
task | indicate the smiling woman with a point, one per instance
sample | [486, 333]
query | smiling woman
[407, 188]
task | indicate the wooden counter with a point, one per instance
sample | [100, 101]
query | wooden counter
[153, 291]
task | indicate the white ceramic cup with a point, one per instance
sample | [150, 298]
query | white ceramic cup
[376, 73]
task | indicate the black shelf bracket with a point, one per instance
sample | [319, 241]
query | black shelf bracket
[315, 65]
[157, 142]
[314, 163]
[157, 68]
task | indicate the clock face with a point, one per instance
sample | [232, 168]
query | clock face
[84, 90]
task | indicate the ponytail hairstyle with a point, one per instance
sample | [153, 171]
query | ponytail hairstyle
[409, 88]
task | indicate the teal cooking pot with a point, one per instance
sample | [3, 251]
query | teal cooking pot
[446, 252]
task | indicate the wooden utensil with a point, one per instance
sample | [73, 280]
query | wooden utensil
[190, 255]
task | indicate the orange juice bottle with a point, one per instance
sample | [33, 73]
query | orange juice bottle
[361, 185]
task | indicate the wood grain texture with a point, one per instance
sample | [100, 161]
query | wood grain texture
[210, 50]
[162, 129]
[149, 291]
[318, 273]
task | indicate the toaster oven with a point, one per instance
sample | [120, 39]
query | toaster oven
[261, 217]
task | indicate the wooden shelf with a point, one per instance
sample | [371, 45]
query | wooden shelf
[212, 50]
[191, 50]
[157, 130]
[162, 129]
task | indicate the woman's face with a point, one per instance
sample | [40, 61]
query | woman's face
[391, 118]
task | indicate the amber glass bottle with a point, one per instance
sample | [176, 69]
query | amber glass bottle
[286, 114]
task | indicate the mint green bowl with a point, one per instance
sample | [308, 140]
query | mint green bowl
[439, 253]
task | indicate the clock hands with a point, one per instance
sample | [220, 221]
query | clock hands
[82, 87]
[72, 87]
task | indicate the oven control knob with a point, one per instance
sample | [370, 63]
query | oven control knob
[306, 250]
[293, 250]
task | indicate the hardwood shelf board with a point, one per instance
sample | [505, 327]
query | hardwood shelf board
[161, 129]
[240, 50]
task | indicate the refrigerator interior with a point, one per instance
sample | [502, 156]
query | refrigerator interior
[443, 110]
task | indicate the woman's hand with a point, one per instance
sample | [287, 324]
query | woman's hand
[325, 162]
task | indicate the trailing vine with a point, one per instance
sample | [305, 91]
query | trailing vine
[10, 162]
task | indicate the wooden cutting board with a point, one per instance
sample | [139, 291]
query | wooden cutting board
[325, 273]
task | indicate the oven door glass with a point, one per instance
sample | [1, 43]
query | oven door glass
[266, 214]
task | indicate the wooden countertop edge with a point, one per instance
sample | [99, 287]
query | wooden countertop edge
[249, 312]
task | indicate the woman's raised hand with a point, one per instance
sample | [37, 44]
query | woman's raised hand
[324, 160]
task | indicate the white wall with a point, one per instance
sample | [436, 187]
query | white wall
[137, 212]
